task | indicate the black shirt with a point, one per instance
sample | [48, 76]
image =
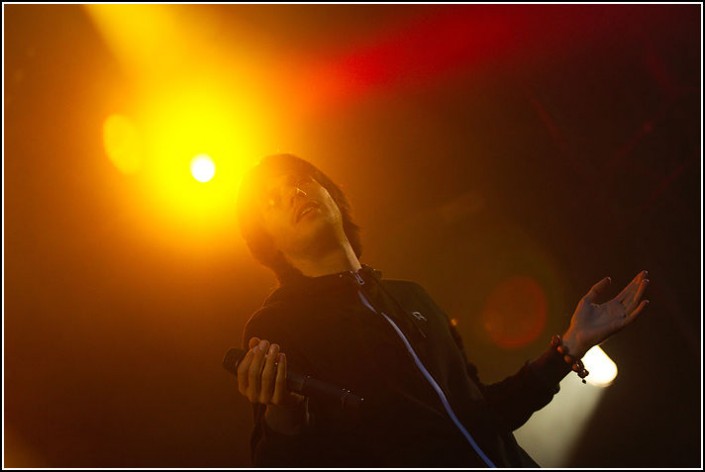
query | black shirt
[388, 342]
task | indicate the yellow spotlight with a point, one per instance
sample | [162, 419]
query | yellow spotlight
[121, 143]
[191, 97]
[202, 168]
[602, 369]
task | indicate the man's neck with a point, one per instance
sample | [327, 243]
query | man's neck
[339, 259]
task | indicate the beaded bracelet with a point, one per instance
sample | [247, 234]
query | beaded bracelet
[575, 364]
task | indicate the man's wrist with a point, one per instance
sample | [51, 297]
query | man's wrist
[573, 345]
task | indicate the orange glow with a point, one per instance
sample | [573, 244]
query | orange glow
[145, 38]
[122, 144]
[190, 120]
[193, 99]
[515, 312]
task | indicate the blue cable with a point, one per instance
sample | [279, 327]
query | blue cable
[432, 381]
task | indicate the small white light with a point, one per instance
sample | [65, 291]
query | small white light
[602, 369]
[202, 168]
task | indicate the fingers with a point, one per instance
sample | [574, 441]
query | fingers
[631, 288]
[632, 302]
[243, 369]
[257, 372]
[281, 391]
[268, 375]
[597, 289]
[254, 374]
[631, 317]
[253, 342]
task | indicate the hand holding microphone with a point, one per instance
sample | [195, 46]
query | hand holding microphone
[263, 378]
[261, 374]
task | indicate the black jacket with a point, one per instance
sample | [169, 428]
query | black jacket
[352, 329]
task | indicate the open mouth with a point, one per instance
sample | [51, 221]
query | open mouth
[305, 209]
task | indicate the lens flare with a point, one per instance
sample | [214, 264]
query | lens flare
[515, 312]
[121, 142]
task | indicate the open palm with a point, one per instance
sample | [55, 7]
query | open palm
[592, 323]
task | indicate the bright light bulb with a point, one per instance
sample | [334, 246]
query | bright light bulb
[202, 168]
[602, 369]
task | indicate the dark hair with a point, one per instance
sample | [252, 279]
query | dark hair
[258, 240]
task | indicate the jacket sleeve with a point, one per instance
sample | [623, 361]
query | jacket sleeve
[518, 396]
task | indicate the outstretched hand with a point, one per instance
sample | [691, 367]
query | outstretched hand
[592, 323]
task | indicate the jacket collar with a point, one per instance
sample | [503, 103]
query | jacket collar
[299, 285]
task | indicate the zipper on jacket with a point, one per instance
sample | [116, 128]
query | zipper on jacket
[429, 378]
[359, 278]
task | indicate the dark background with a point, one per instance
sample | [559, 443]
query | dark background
[475, 142]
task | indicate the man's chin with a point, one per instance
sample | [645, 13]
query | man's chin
[316, 233]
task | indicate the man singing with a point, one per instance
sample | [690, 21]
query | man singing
[385, 340]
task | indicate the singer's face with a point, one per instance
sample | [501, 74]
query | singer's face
[299, 213]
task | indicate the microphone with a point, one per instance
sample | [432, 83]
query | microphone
[303, 384]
